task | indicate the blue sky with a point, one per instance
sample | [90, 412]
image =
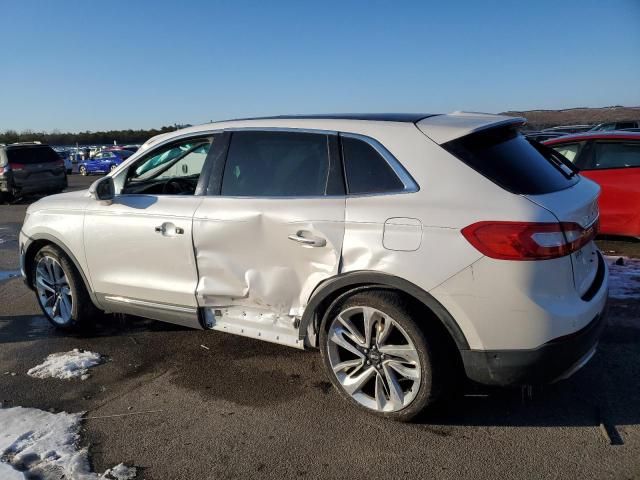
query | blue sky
[85, 65]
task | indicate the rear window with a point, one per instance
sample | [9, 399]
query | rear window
[30, 155]
[510, 160]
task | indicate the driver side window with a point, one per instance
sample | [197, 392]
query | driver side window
[173, 169]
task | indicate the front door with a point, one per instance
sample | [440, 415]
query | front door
[273, 234]
[139, 248]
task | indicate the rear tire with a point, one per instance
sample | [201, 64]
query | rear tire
[60, 290]
[83, 170]
[401, 361]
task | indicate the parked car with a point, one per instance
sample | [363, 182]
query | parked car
[541, 136]
[564, 129]
[411, 249]
[131, 148]
[103, 162]
[609, 126]
[30, 168]
[65, 155]
[612, 159]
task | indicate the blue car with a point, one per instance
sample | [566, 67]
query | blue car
[103, 162]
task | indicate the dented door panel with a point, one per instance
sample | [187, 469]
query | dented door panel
[246, 258]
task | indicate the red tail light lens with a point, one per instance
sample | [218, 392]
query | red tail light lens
[528, 240]
[16, 166]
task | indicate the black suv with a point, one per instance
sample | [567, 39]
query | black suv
[27, 168]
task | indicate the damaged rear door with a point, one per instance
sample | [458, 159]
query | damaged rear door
[269, 230]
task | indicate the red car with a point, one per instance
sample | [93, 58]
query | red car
[612, 159]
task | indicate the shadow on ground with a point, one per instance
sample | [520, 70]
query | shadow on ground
[605, 393]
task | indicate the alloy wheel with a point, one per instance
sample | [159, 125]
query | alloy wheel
[54, 292]
[373, 359]
[83, 170]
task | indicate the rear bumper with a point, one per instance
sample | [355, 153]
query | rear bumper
[53, 184]
[552, 361]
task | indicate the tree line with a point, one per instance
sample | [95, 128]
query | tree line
[122, 137]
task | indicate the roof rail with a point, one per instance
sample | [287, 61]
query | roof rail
[35, 142]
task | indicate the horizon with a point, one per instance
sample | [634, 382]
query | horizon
[177, 127]
[161, 64]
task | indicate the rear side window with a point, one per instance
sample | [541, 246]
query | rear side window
[510, 160]
[30, 155]
[615, 155]
[569, 150]
[366, 170]
[276, 164]
[621, 125]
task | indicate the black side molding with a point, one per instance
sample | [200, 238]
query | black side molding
[352, 280]
[536, 366]
[58, 243]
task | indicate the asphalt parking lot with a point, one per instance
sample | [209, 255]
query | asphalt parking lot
[180, 403]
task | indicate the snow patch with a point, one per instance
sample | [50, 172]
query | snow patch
[624, 280]
[39, 444]
[73, 364]
[120, 472]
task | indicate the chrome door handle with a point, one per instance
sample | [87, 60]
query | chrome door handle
[308, 241]
[169, 229]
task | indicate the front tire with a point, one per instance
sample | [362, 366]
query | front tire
[83, 170]
[377, 357]
[60, 290]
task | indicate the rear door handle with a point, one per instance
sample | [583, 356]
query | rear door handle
[169, 229]
[309, 240]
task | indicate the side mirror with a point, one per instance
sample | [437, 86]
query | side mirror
[103, 189]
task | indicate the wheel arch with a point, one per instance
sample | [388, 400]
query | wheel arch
[36, 242]
[330, 290]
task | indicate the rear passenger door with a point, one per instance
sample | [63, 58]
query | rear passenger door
[615, 166]
[268, 231]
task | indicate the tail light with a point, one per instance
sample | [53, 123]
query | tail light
[528, 240]
[16, 167]
[60, 163]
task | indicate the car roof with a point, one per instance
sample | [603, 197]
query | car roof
[439, 127]
[375, 117]
[24, 145]
[579, 137]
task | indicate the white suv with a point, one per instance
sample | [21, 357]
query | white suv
[408, 248]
